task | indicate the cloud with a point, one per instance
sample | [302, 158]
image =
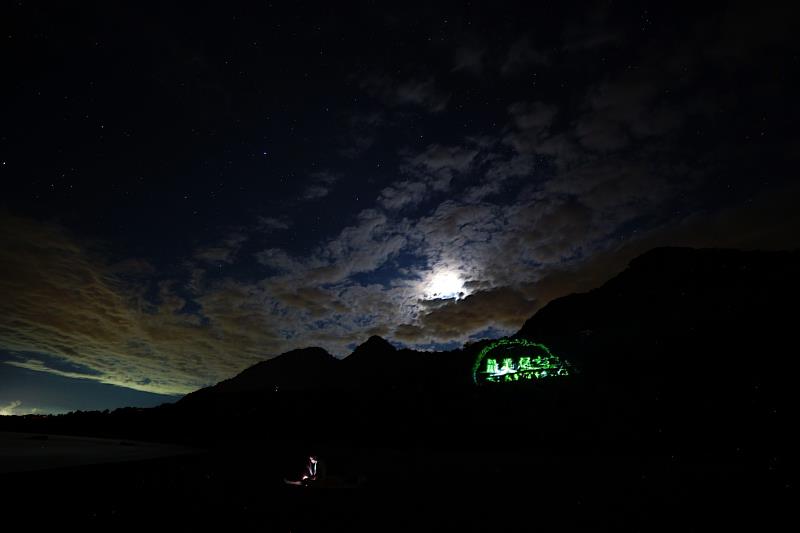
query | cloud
[279, 260]
[503, 308]
[8, 409]
[362, 247]
[624, 111]
[67, 311]
[521, 55]
[312, 300]
[362, 132]
[432, 171]
[315, 192]
[500, 173]
[224, 252]
[419, 91]
[469, 59]
[534, 133]
[558, 202]
[438, 158]
[62, 300]
[270, 224]
[402, 194]
[504, 298]
[590, 30]
[617, 187]
[617, 114]
[320, 186]
[423, 93]
[536, 116]
[358, 248]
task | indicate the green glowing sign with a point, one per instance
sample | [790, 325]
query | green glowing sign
[508, 360]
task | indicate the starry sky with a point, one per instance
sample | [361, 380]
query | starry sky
[188, 189]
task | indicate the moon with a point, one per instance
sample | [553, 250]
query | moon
[446, 284]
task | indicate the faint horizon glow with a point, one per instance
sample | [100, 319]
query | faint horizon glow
[8, 409]
[14, 408]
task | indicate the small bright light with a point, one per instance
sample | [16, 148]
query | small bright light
[445, 285]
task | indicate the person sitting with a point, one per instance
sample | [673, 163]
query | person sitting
[310, 474]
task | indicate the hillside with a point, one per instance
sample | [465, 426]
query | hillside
[683, 399]
[684, 348]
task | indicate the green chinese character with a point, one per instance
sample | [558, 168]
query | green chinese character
[491, 366]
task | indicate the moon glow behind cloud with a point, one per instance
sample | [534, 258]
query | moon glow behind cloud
[446, 284]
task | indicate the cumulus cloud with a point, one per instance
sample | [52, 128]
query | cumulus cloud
[62, 300]
[504, 298]
[495, 249]
[441, 159]
[315, 301]
[534, 133]
[503, 308]
[616, 115]
[431, 171]
[361, 247]
[624, 111]
[500, 174]
[558, 201]
[403, 193]
[85, 320]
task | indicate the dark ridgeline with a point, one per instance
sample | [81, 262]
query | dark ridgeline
[302, 369]
[687, 346]
[684, 396]
[694, 346]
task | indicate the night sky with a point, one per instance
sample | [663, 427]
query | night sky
[187, 190]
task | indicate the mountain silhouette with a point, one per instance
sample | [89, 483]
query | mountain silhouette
[709, 309]
[675, 288]
[686, 355]
[373, 351]
[714, 309]
[378, 364]
[690, 346]
[297, 370]
[684, 345]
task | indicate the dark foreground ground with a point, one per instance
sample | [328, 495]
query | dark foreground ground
[239, 486]
[25, 452]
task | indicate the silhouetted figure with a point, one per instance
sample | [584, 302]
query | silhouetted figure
[312, 472]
